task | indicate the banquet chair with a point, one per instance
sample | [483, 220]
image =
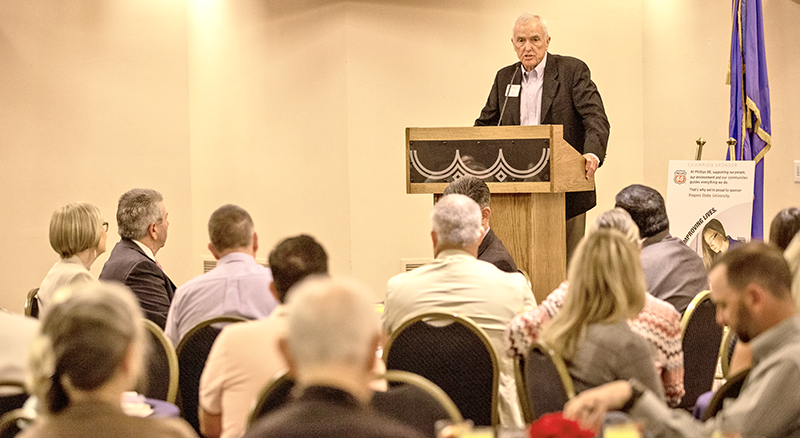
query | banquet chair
[729, 340]
[32, 303]
[730, 389]
[701, 338]
[415, 401]
[192, 353]
[543, 382]
[160, 381]
[13, 400]
[276, 393]
[455, 354]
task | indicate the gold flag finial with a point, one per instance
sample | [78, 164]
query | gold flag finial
[732, 148]
[699, 154]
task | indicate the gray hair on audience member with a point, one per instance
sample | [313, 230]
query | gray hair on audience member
[619, 220]
[331, 322]
[136, 210]
[84, 338]
[472, 187]
[230, 227]
[456, 220]
[526, 18]
[646, 207]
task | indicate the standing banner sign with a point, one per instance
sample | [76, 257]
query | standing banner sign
[710, 204]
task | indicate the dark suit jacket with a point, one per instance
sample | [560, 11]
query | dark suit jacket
[569, 98]
[326, 412]
[493, 251]
[129, 265]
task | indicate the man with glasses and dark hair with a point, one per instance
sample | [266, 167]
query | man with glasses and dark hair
[142, 224]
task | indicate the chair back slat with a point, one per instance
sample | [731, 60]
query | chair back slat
[160, 381]
[548, 386]
[456, 355]
[701, 345]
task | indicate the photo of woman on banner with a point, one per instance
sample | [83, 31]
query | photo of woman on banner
[715, 241]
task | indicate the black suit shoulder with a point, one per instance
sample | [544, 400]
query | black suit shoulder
[493, 251]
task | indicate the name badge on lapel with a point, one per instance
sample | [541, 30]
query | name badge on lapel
[512, 90]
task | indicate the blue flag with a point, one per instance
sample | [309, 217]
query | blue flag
[750, 122]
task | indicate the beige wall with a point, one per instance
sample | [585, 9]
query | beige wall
[296, 110]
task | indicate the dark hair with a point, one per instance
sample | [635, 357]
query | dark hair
[760, 263]
[784, 226]
[472, 187]
[294, 259]
[84, 339]
[646, 207]
[229, 227]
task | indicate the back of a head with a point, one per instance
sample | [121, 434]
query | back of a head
[75, 228]
[294, 259]
[617, 219]
[646, 207]
[136, 210]
[472, 187]
[784, 227]
[331, 323]
[84, 339]
[230, 227]
[760, 263]
[606, 284]
[456, 220]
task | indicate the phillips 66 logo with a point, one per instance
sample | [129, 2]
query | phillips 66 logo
[680, 177]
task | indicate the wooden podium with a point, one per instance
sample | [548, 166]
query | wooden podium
[527, 168]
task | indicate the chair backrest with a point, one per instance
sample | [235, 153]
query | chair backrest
[701, 341]
[9, 422]
[192, 353]
[32, 303]
[416, 402]
[730, 389]
[15, 400]
[276, 393]
[729, 340]
[455, 354]
[543, 382]
[160, 380]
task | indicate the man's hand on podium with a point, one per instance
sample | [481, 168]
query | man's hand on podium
[592, 162]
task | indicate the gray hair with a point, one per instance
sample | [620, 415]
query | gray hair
[136, 210]
[85, 336]
[456, 220]
[230, 227]
[620, 220]
[468, 185]
[331, 322]
[526, 18]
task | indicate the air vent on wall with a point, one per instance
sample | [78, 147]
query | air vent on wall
[411, 264]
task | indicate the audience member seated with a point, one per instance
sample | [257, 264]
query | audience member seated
[792, 255]
[142, 223]
[491, 249]
[245, 356]
[88, 353]
[333, 333]
[673, 272]
[16, 334]
[750, 285]
[784, 226]
[591, 332]
[78, 235]
[457, 282]
[237, 286]
[658, 322]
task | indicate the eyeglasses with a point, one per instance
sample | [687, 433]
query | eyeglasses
[105, 226]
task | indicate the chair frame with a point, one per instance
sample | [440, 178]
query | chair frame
[398, 376]
[715, 405]
[528, 413]
[33, 294]
[725, 350]
[10, 419]
[172, 359]
[474, 328]
[276, 380]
